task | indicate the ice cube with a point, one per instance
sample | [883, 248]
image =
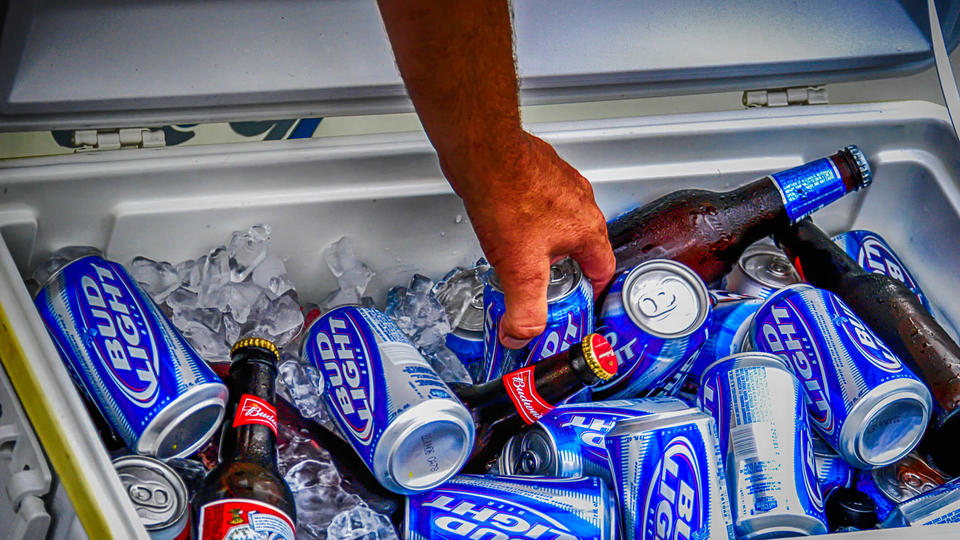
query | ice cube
[189, 272]
[449, 367]
[214, 275]
[271, 274]
[231, 329]
[339, 297]
[351, 273]
[158, 279]
[209, 344]
[183, 299]
[278, 320]
[360, 523]
[300, 387]
[246, 250]
[239, 300]
[209, 317]
[310, 473]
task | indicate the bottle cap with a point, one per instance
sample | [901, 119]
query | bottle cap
[865, 172]
[847, 507]
[599, 356]
[256, 342]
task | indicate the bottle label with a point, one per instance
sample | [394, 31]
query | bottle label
[230, 519]
[809, 187]
[254, 410]
[523, 392]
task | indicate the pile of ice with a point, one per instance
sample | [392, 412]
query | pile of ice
[236, 290]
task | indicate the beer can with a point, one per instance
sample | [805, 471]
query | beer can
[864, 401]
[668, 477]
[569, 320]
[466, 338]
[762, 270]
[568, 441]
[472, 507]
[937, 506]
[732, 315]
[832, 470]
[656, 318]
[158, 494]
[151, 386]
[765, 440]
[391, 406]
[874, 254]
[891, 485]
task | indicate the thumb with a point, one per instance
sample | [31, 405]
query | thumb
[524, 285]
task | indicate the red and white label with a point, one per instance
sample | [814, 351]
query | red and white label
[230, 519]
[254, 410]
[523, 392]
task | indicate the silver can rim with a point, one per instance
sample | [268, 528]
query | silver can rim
[700, 288]
[167, 473]
[865, 410]
[165, 423]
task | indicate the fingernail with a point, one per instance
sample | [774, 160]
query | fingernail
[513, 343]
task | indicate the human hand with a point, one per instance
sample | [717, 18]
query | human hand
[529, 208]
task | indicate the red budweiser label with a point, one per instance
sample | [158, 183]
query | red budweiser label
[523, 392]
[228, 519]
[254, 410]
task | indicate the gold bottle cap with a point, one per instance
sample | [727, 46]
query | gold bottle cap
[256, 342]
[599, 356]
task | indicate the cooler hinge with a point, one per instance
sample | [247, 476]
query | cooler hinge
[782, 97]
[115, 139]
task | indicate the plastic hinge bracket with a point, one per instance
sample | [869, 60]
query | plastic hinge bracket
[115, 139]
[24, 472]
[783, 97]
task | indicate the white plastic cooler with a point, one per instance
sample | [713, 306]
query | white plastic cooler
[103, 65]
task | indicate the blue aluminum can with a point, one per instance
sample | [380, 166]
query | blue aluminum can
[832, 470]
[390, 405]
[864, 401]
[466, 338]
[473, 507]
[569, 320]
[568, 441]
[156, 392]
[762, 270]
[937, 506]
[765, 440]
[655, 317]
[668, 477]
[875, 255]
[727, 330]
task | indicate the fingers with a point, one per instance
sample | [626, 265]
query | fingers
[597, 262]
[524, 284]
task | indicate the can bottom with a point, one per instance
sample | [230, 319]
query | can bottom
[779, 526]
[892, 430]
[186, 424]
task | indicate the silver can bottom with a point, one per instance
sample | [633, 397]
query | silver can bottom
[186, 424]
[773, 525]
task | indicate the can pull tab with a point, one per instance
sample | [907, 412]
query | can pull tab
[150, 495]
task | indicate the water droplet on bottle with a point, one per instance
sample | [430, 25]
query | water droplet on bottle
[458, 219]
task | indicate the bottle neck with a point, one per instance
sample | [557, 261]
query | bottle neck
[813, 185]
[247, 435]
[817, 258]
[524, 395]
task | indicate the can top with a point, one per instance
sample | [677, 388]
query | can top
[768, 266]
[470, 282]
[565, 277]
[55, 265]
[665, 298]
[532, 452]
[157, 491]
[599, 356]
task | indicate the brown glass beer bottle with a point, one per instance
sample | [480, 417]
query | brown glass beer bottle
[708, 231]
[502, 406]
[244, 496]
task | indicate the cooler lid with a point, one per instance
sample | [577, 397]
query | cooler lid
[69, 64]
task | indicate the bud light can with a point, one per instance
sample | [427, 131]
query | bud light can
[832, 470]
[569, 320]
[937, 506]
[158, 494]
[668, 477]
[762, 270]
[151, 386]
[765, 439]
[655, 317]
[864, 401]
[728, 328]
[568, 441]
[404, 422]
[466, 338]
[875, 255]
[500, 507]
